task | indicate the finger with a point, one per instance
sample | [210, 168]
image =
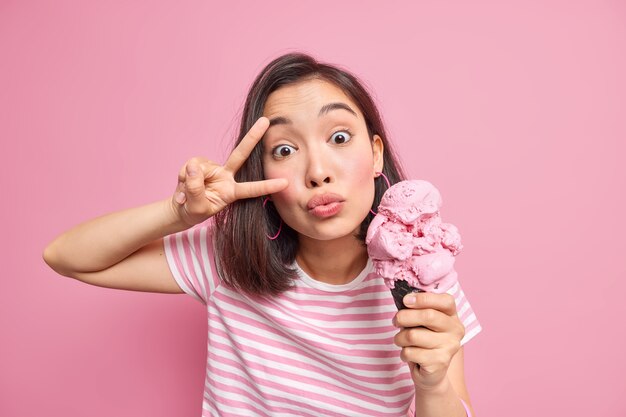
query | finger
[435, 320]
[259, 188]
[441, 302]
[419, 337]
[425, 363]
[179, 194]
[247, 144]
[206, 166]
[194, 188]
[423, 357]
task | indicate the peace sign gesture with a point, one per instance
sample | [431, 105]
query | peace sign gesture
[205, 187]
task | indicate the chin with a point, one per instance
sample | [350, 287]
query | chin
[331, 233]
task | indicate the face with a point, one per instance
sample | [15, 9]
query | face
[327, 156]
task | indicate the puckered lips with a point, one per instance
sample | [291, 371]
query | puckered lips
[325, 205]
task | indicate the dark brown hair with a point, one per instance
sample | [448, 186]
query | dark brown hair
[247, 260]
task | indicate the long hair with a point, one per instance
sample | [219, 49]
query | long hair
[247, 260]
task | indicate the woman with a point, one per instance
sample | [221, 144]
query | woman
[272, 243]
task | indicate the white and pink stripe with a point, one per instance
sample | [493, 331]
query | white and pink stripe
[316, 350]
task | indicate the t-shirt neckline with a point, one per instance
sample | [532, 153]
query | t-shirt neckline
[324, 286]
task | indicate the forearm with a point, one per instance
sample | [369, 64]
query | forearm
[442, 401]
[101, 242]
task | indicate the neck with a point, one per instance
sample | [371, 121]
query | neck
[336, 262]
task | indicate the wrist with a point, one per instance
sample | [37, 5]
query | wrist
[442, 388]
[173, 221]
[439, 400]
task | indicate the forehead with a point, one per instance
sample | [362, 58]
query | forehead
[310, 95]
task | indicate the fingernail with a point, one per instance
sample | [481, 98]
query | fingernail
[409, 300]
[191, 170]
[180, 198]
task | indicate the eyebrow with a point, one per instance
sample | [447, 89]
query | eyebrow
[327, 108]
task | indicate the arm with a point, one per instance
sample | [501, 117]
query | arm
[120, 250]
[125, 249]
[430, 335]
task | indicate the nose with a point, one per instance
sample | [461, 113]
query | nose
[318, 170]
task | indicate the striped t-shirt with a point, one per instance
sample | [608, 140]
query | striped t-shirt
[316, 350]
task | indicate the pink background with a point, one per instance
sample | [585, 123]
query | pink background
[514, 110]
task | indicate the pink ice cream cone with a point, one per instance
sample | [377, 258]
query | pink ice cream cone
[411, 249]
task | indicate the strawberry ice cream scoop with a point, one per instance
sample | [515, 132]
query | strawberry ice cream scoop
[409, 245]
[407, 201]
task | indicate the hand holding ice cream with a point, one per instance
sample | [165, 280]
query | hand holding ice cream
[414, 251]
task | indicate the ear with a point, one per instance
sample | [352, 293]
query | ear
[377, 150]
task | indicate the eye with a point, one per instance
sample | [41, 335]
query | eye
[282, 151]
[341, 136]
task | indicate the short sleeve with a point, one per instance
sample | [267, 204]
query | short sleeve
[190, 257]
[465, 313]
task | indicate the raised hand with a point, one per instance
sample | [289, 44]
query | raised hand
[205, 187]
[430, 336]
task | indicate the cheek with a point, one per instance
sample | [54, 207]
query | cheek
[360, 173]
[360, 170]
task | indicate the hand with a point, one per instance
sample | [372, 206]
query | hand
[205, 187]
[431, 335]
